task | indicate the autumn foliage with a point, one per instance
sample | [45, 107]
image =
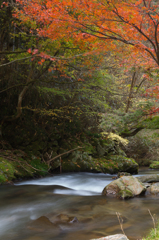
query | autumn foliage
[127, 27]
[86, 28]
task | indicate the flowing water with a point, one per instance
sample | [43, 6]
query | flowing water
[77, 195]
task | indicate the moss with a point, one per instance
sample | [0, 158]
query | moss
[20, 167]
[81, 161]
[116, 164]
[2, 178]
[125, 164]
[77, 161]
[125, 194]
[89, 149]
[154, 165]
[7, 170]
[144, 162]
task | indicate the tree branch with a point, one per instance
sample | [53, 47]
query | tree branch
[62, 154]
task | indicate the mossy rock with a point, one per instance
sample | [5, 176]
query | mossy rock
[20, 166]
[7, 170]
[125, 193]
[125, 187]
[77, 161]
[125, 164]
[81, 161]
[154, 165]
[116, 164]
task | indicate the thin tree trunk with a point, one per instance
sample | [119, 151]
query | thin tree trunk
[131, 91]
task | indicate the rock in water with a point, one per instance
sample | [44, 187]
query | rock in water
[124, 187]
[113, 237]
[42, 224]
[149, 178]
[153, 189]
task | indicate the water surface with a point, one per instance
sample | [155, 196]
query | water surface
[74, 194]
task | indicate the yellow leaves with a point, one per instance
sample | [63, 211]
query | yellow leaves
[115, 137]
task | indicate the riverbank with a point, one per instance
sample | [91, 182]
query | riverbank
[16, 164]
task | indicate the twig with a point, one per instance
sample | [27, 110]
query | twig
[154, 224]
[120, 222]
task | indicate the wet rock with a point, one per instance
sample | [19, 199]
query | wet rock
[64, 218]
[147, 185]
[113, 237]
[64, 221]
[124, 187]
[149, 178]
[153, 189]
[42, 224]
[78, 161]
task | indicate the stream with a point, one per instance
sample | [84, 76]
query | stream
[77, 195]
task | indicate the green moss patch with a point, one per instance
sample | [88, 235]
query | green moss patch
[20, 166]
[154, 165]
[7, 170]
[81, 161]
[126, 194]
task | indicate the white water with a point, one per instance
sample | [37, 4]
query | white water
[84, 184]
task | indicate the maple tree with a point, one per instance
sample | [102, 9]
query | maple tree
[81, 29]
[127, 28]
[134, 23]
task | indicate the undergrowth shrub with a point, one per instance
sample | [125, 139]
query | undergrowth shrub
[143, 148]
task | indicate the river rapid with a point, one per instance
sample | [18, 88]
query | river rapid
[77, 195]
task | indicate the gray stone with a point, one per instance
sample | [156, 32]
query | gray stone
[149, 178]
[113, 237]
[124, 187]
[153, 189]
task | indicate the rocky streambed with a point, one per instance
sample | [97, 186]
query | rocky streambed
[71, 206]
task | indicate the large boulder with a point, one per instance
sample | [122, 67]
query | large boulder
[118, 163]
[82, 161]
[124, 187]
[149, 178]
[113, 237]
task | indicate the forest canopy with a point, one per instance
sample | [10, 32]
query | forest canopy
[69, 68]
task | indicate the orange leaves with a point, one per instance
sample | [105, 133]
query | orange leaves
[97, 26]
[41, 61]
[29, 50]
